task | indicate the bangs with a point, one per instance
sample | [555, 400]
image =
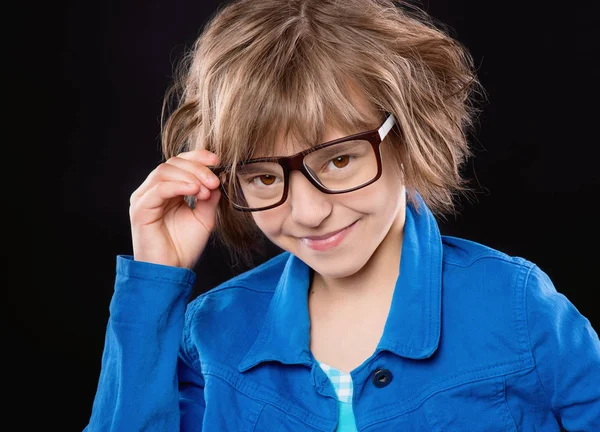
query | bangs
[298, 114]
[292, 102]
[269, 78]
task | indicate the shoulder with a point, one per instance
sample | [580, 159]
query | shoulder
[484, 264]
[484, 283]
[462, 252]
[500, 291]
[253, 285]
[484, 304]
[234, 310]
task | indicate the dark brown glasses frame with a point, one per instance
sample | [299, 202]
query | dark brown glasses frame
[296, 162]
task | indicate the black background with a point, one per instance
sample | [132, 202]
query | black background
[90, 77]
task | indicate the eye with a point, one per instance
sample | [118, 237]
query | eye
[265, 179]
[340, 161]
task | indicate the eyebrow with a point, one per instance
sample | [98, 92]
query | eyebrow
[253, 167]
[330, 151]
[267, 159]
[385, 127]
[307, 149]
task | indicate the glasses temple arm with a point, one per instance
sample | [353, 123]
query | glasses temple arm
[387, 125]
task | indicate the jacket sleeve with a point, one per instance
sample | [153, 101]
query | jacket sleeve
[138, 388]
[566, 350]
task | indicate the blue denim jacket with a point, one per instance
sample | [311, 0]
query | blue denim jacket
[475, 340]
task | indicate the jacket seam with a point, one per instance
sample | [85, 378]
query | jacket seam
[519, 312]
[510, 418]
[420, 399]
[187, 335]
[262, 408]
[228, 287]
[539, 380]
[156, 278]
[507, 259]
[266, 400]
[509, 368]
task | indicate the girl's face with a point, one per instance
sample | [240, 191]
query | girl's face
[308, 224]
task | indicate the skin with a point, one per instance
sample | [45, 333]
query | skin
[164, 229]
[370, 252]
[357, 277]
[354, 279]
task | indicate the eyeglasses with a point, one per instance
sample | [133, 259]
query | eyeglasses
[339, 166]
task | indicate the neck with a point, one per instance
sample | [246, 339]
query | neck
[377, 275]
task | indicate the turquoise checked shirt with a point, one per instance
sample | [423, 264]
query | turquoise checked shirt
[342, 384]
[475, 340]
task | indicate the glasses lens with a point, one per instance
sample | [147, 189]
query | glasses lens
[257, 185]
[343, 166]
[337, 167]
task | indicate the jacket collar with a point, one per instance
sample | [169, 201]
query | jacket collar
[412, 329]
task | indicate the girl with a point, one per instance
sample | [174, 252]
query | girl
[336, 130]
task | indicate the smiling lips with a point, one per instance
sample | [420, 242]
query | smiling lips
[327, 241]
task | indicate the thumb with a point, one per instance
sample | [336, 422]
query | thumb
[209, 206]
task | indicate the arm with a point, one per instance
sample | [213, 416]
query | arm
[566, 350]
[138, 385]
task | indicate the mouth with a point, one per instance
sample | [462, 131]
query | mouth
[327, 241]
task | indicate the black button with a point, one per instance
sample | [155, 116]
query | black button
[382, 377]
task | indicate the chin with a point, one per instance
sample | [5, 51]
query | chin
[337, 265]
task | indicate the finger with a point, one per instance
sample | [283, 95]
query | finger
[201, 171]
[157, 197]
[208, 197]
[208, 206]
[162, 173]
[203, 156]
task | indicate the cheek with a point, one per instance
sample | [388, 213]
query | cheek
[367, 200]
[269, 221]
[382, 194]
[383, 199]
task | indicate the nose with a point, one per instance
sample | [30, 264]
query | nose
[309, 205]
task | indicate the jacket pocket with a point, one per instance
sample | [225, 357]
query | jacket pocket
[270, 419]
[474, 406]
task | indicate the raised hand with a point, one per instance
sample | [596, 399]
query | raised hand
[164, 228]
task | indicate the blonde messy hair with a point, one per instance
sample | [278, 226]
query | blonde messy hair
[263, 67]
